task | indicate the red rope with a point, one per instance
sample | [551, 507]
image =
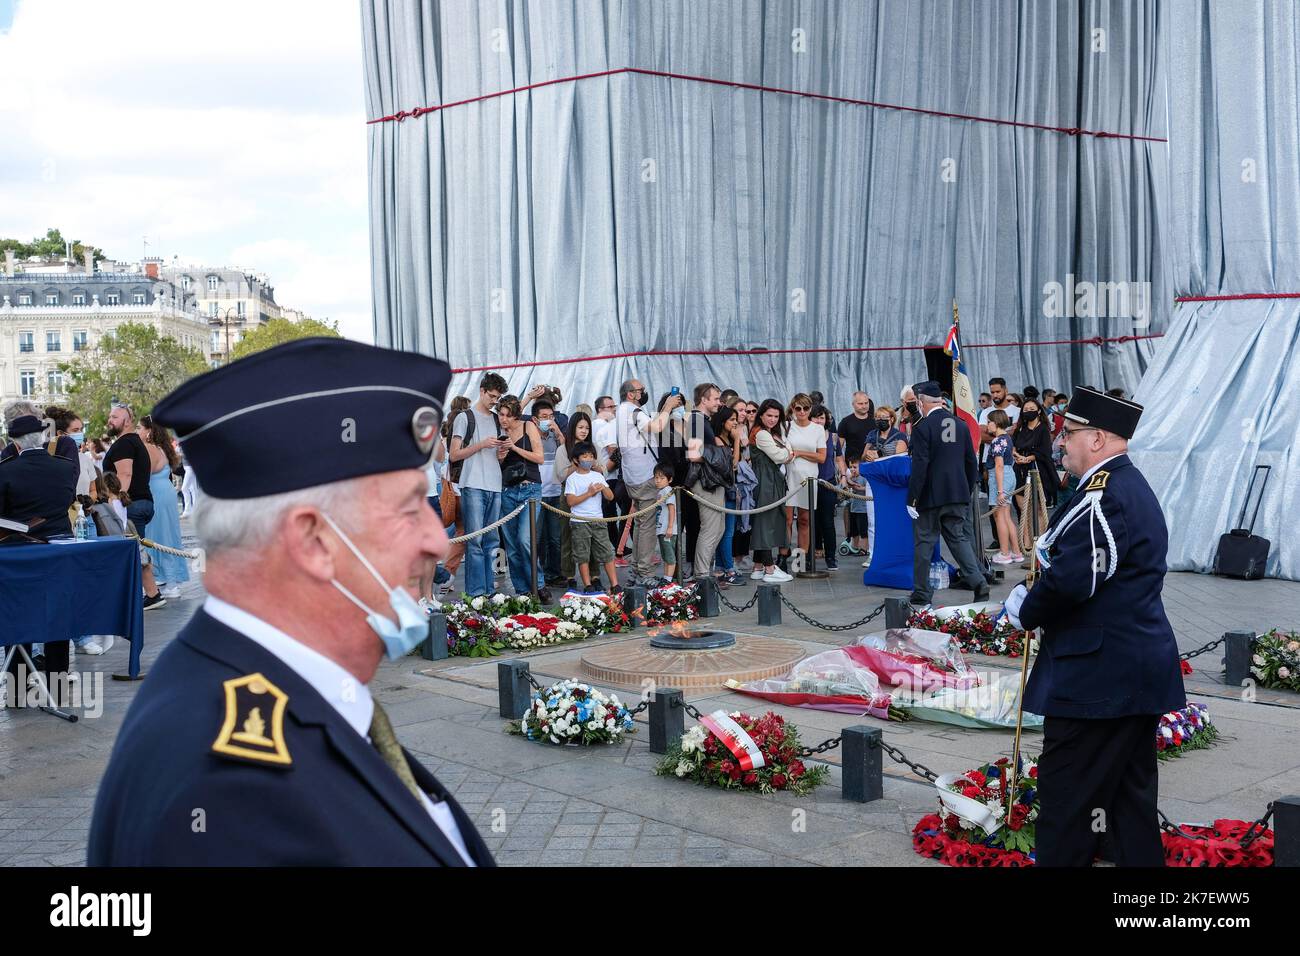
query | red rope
[1238, 297]
[735, 84]
[1095, 340]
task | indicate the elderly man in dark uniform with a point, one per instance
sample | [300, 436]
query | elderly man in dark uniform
[944, 473]
[1108, 667]
[256, 740]
[37, 488]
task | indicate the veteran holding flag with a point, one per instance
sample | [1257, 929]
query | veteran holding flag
[255, 739]
[1108, 664]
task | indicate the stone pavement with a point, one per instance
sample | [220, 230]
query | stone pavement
[602, 806]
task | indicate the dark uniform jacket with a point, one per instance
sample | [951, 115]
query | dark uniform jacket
[1107, 647]
[36, 484]
[173, 795]
[944, 469]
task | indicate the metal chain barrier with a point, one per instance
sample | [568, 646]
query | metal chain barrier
[821, 748]
[632, 712]
[694, 712]
[490, 528]
[1200, 650]
[1253, 832]
[739, 609]
[920, 769]
[831, 627]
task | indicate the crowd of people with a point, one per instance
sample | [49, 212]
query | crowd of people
[618, 459]
[58, 484]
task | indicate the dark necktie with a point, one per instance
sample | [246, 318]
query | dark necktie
[385, 741]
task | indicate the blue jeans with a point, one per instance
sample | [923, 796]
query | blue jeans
[140, 512]
[479, 509]
[518, 546]
[726, 561]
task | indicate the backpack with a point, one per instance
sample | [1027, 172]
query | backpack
[454, 467]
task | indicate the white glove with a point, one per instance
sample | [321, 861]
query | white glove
[913, 513]
[1012, 605]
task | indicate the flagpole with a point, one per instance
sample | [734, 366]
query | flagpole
[1031, 502]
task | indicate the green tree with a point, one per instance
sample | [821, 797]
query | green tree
[52, 245]
[135, 364]
[279, 331]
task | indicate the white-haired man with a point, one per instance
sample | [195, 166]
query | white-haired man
[256, 739]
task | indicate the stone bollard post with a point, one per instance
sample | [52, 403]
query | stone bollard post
[862, 778]
[667, 718]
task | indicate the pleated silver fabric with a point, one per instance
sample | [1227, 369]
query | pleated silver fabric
[1223, 394]
[634, 213]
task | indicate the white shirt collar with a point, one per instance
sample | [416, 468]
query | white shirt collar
[936, 408]
[1089, 473]
[341, 690]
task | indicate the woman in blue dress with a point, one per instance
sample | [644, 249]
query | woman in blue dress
[165, 526]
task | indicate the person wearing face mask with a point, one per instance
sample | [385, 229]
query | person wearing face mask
[68, 425]
[1032, 444]
[260, 712]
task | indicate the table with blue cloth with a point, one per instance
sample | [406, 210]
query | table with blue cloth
[58, 592]
[891, 553]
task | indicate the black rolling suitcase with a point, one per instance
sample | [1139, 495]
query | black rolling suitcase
[1243, 554]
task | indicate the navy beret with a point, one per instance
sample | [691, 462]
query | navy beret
[307, 413]
[25, 425]
[1099, 410]
[930, 389]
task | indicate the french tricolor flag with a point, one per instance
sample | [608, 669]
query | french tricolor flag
[963, 399]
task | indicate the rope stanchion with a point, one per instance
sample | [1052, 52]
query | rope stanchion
[842, 492]
[614, 519]
[705, 503]
[1014, 492]
[490, 528]
[162, 548]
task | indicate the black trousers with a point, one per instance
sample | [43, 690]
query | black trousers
[1095, 778]
[952, 521]
[824, 524]
[620, 505]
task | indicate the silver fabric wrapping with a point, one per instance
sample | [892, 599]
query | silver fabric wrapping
[523, 228]
[1224, 392]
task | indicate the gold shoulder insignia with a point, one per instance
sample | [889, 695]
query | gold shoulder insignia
[1098, 481]
[254, 724]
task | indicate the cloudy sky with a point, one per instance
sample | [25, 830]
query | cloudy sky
[230, 133]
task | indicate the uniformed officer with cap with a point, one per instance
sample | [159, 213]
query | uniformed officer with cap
[255, 739]
[1108, 665]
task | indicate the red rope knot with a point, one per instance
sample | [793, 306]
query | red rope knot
[401, 115]
[1070, 130]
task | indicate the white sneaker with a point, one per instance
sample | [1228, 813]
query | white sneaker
[93, 648]
[777, 577]
[866, 563]
[758, 574]
[171, 592]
